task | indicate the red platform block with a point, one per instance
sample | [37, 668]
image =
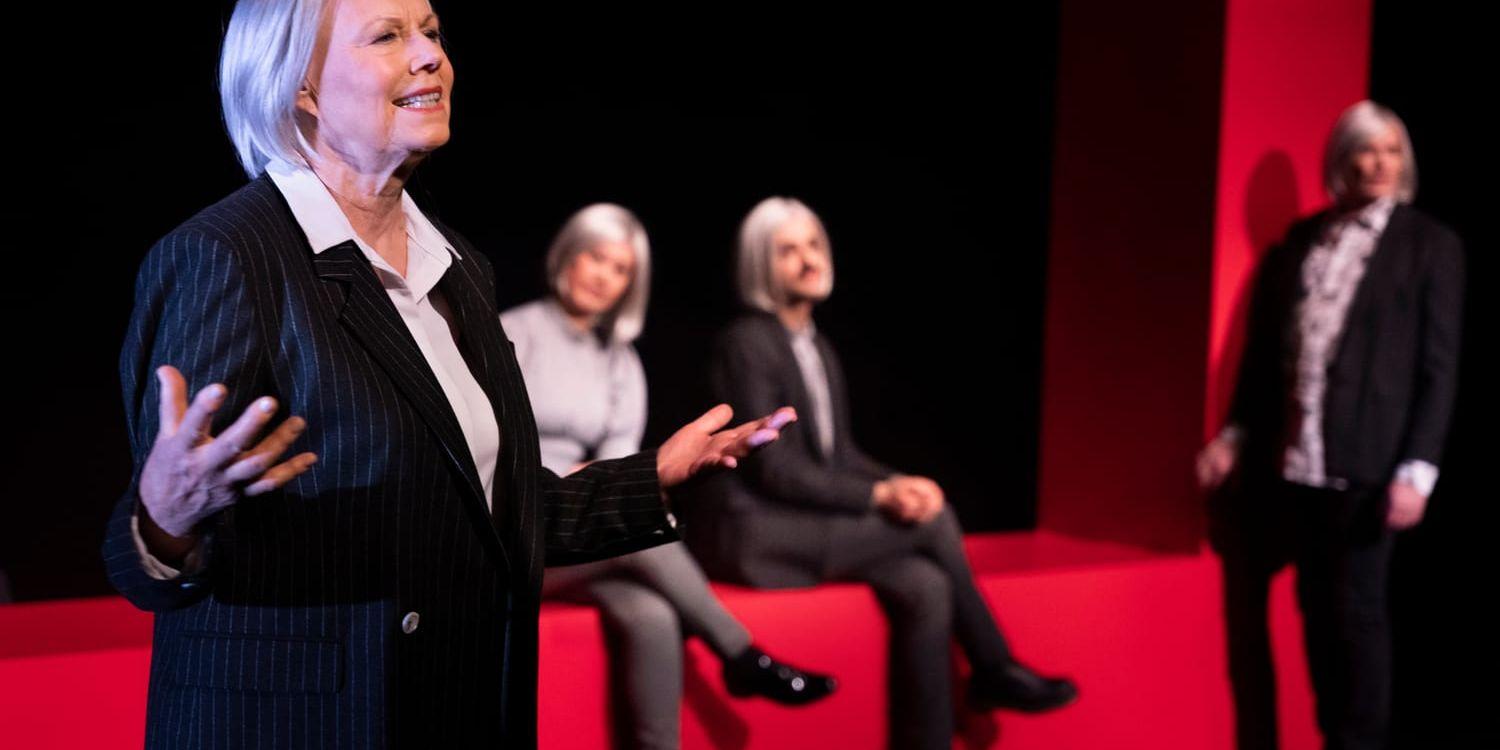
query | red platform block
[1141, 633]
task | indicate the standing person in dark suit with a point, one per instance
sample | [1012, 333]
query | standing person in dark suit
[380, 589]
[1336, 429]
[814, 507]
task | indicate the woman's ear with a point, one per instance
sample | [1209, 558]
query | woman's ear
[307, 99]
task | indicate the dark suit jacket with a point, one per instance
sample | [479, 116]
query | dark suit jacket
[765, 524]
[1392, 380]
[292, 635]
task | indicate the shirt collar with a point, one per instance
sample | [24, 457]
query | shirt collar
[1374, 216]
[324, 222]
[808, 333]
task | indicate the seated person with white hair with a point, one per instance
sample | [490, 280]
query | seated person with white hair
[813, 507]
[588, 393]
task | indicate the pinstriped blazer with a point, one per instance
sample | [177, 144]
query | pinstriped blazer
[291, 635]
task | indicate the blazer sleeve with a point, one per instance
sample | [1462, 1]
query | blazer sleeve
[1260, 360]
[193, 310]
[749, 375]
[605, 509]
[1442, 308]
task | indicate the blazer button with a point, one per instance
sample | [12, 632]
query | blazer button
[410, 622]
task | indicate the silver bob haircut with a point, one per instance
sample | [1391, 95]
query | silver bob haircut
[1355, 127]
[268, 47]
[585, 230]
[754, 278]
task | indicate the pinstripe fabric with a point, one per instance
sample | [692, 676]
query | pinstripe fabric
[291, 635]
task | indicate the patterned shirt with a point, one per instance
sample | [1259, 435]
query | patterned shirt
[1330, 277]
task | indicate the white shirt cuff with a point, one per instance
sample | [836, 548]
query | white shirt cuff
[1419, 474]
[1232, 434]
[192, 563]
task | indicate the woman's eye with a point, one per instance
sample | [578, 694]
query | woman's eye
[386, 37]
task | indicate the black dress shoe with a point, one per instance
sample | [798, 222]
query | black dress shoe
[1013, 686]
[756, 673]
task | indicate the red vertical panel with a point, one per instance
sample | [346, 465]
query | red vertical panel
[1188, 138]
[1290, 67]
[1129, 269]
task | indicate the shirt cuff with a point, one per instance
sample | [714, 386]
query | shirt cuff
[191, 564]
[1419, 474]
[1232, 434]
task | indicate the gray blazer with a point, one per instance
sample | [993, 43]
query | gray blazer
[766, 523]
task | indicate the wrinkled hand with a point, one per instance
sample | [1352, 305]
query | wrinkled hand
[703, 443]
[189, 475]
[1215, 462]
[1407, 506]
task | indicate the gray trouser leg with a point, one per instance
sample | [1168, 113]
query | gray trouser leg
[672, 572]
[645, 654]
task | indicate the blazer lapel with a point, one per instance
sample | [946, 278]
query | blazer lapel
[807, 417]
[1382, 270]
[365, 309]
[483, 347]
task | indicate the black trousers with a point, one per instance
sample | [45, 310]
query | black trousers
[923, 582]
[1341, 547]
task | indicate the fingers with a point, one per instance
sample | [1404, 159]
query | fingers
[714, 419]
[240, 436]
[1407, 506]
[172, 402]
[1400, 518]
[911, 505]
[930, 512]
[195, 421]
[1212, 467]
[259, 459]
[779, 418]
[281, 473]
[767, 428]
[1200, 469]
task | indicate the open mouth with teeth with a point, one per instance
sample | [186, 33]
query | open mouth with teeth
[420, 101]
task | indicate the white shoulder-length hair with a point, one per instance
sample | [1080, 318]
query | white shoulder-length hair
[754, 277]
[268, 47]
[587, 229]
[1355, 127]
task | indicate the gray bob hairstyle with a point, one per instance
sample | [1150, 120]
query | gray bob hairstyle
[588, 228]
[1355, 127]
[754, 279]
[268, 47]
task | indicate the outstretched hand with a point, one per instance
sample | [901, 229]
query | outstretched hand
[190, 474]
[704, 444]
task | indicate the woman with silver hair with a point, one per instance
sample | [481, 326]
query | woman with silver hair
[379, 588]
[815, 507]
[1336, 428]
[588, 393]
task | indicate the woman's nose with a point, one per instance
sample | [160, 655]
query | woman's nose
[428, 57]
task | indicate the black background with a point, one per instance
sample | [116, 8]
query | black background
[924, 143]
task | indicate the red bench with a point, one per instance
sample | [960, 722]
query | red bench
[1141, 633]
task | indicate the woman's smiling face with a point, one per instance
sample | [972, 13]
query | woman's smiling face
[380, 85]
